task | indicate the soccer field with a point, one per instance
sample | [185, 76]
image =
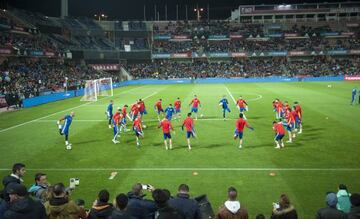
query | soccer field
[324, 155]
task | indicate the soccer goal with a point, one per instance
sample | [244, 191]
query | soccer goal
[98, 87]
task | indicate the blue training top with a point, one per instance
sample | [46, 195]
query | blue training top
[68, 120]
[224, 103]
[169, 111]
[110, 108]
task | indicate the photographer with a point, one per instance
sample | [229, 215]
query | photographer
[59, 206]
[138, 206]
[283, 209]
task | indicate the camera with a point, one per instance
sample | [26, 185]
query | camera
[74, 182]
[147, 187]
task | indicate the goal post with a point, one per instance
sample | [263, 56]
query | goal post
[90, 91]
[105, 87]
[98, 87]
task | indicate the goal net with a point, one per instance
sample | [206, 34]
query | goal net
[98, 87]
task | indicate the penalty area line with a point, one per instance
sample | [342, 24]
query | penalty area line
[186, 169]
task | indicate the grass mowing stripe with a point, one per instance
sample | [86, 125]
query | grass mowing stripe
[188, 169]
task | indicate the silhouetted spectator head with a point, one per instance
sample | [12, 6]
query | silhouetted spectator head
[331, 199]
[160, 197]
[183, 188]
[355, 199]
[121, 201]
[103, 196]
[232, 194]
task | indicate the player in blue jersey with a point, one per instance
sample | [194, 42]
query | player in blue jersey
[353, 95]
[224, 103]
[169, 111]
[109, 112]
[65, 127]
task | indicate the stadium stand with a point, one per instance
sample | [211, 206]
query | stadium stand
[34, 48]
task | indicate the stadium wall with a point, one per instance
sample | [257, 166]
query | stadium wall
[34, 101]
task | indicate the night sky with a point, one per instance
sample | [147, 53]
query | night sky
[133, 9]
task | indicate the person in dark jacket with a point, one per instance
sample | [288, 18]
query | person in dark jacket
[139, 207]
[355, 206]
[183, 203]
[120, 212]
[18, 171]
[284, 210]
[3, 207]
[21, 206]
[101, 208]
[330, 212]
[164, 211]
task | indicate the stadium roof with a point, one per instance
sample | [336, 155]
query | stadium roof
[134, 9]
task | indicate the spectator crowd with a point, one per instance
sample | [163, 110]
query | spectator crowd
[45, 201]
[320, 66]
[32, 77]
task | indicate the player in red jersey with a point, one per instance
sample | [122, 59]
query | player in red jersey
[189, 125]
[240, 125]
[166, 127]
[177, 106]
[135, 109]
[278, 109]
[242, 105]
[137, 127]
[286, 106]
[290, 125]
[299, 112]
[195, 104]
[125, 115]
[142, 108]
[158, 108]
[117, 120]
[278, 127]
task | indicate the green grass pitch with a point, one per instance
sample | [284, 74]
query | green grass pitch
[326, 154]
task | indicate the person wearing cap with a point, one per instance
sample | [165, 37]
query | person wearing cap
[355, 206]
[343, 197]
[232, 208]
[330, 212]
[164, 211]
[21, 206]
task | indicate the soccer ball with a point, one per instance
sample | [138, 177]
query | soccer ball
[68, 147]
[144, 126]
[329, 86]
[202, 115]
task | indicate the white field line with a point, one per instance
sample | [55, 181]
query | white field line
[232, 97]
[187, 169]
[259, 96]
[66, 110]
